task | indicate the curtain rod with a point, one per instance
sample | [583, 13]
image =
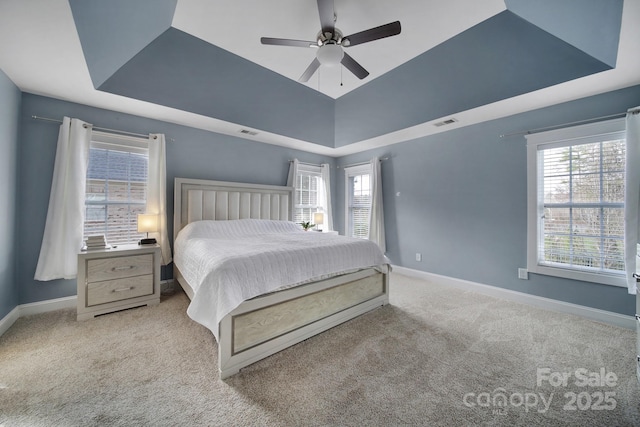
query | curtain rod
[305, 163]
[595, 119]
[382, 159]
[345, 166]
[123, 132]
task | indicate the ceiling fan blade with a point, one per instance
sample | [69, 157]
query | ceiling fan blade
[387, 30]
[353, 66]
[327, 16]
[287, 42]
[310, 70]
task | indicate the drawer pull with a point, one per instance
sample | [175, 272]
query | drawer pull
[130, 288]
[124, 267]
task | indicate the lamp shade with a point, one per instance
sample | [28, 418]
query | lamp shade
[318, 217]
[147, 223]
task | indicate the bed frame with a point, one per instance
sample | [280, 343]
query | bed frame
[269, 323]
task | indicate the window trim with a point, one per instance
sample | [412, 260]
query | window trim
[551, 139]
[129, 142]
[349, 172]
[125, 143]
[308, 170]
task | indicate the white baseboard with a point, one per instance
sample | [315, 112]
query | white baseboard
[598, 315]
[9, 319]
[51, 305]
[48, 305]
[35, 308]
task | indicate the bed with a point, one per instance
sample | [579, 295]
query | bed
[259, 282]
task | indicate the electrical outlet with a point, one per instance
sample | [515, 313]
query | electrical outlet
[523, 274]
[418, 256]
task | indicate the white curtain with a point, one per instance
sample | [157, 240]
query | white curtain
[376, 214]
[157, 191]
[64, 227]
[293, 182]
[293, 173]
[632, 197]
[326, 202]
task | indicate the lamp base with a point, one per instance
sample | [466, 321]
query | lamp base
[147, 241]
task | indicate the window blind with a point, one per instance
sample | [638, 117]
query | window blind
[307, 195]
[116, 190]
[581, 193]
[359, 205]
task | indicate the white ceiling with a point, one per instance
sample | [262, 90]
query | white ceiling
[237, 27]
[41, 53]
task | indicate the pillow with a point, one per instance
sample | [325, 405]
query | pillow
[237, 228]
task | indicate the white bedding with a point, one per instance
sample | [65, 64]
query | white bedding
[228, 262]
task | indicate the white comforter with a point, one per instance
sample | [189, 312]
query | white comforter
[227, 262]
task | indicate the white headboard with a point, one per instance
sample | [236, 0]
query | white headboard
[197, 199]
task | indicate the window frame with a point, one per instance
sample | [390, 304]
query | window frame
[538, 142]
[349, 172]
[125, 143]
[308, 170]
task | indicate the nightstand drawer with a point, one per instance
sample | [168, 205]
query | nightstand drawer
[119, 289]
[118, 278]
[119, 267]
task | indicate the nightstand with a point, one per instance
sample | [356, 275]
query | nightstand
[115, 279]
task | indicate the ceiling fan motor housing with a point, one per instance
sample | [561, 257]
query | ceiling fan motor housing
[328, 37]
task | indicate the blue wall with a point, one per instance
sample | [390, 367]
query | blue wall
[193, 154]
[530, 46]
[9, 119]
[499, 58]
[111, 34]
[462, 202]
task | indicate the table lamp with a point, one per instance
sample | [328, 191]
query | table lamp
[318, 219]
[147, 223]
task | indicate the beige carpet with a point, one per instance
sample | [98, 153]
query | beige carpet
[436, 356]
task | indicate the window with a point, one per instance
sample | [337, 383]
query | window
[358, 195]
[116, 187]
[576, 202]
[308, 199]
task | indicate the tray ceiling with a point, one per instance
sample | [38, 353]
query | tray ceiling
[200, 63]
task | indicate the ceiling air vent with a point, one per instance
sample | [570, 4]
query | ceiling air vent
[445, 122]
[248, 132]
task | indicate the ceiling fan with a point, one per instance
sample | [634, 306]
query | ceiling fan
[330, 42]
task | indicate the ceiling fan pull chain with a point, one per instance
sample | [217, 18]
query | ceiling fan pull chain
[341, 75]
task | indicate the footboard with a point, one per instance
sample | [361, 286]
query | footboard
[267, 324]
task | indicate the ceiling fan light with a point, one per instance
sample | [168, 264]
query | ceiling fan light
[330, 54]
